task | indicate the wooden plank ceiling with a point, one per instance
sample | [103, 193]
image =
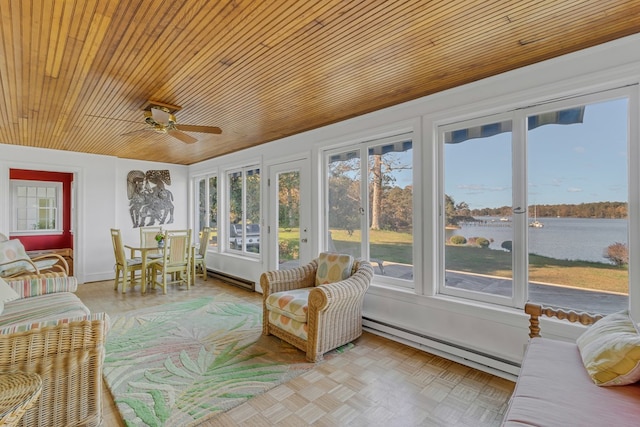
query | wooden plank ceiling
[75, 75]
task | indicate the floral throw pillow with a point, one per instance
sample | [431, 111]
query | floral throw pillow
[333, 267]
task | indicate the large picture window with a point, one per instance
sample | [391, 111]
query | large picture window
[36, 207]
[535, 205]
[372, 217]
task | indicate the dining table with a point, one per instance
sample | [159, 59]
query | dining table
[145, 254]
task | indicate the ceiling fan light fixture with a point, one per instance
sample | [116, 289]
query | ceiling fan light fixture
[160, 118]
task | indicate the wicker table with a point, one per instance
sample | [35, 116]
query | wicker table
[18, 392]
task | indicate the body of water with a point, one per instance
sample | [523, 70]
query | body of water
[561, 238]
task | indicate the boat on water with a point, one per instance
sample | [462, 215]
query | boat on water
[505, 219]
[535, 223]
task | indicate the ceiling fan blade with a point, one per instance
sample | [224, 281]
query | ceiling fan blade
[182, 136]
[202, 129]
[135, 131]
[160, 116]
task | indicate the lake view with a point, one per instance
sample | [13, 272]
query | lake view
[561, 238]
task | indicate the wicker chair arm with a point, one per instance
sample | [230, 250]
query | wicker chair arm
[285, 280]
[336, 296]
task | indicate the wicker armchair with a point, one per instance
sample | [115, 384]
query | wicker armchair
[334, 311]
[66, 352]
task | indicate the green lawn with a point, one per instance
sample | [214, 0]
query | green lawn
[579, 274]
[397, 247]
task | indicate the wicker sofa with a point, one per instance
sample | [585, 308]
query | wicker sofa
[331, 313]
[47, 330]
[554, 388]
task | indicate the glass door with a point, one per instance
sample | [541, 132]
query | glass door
[290, 215]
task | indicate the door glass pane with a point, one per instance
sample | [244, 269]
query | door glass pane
[391, 209]
[202, 203]
[213, 210]
[578, 199]
[288, 211]
[235, 211]
[478, 208]
[252, 229]
[344, 204]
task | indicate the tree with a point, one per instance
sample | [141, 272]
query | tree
[450, 211]
[376, 191]
[618, 253]
[382, 180]
[344, 194]
[289, 200]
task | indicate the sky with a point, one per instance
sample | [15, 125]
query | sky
[572, 164]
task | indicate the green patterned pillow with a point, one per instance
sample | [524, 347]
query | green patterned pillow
[333, 267]
[610, 350]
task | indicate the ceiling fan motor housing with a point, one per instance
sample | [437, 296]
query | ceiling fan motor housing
[157, 126]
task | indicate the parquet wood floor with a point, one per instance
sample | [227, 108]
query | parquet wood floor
[377, 383]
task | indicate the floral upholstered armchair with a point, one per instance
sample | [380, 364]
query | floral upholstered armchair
[316, 307]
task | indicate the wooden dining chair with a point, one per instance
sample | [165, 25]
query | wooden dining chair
[198, 262]
[148, 238]
[175, 264]
[126, 267]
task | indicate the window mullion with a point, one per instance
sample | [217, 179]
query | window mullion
[364, 201]
[520, 245]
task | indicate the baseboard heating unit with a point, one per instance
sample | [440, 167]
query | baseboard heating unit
[465, 356]
[233, 280]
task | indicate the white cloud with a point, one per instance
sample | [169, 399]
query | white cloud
[574, 190]
[480, 187]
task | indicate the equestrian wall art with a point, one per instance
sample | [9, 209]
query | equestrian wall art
[150, 203]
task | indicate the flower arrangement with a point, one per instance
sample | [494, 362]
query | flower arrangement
[160, 238]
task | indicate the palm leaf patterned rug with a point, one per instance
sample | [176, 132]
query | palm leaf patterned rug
[182, 363]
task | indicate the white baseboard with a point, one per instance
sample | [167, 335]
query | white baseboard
[468, 357]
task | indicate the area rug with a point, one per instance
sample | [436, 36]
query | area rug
[182, 363]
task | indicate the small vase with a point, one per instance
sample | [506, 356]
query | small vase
[161, 244]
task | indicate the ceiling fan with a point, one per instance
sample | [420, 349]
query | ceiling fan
[160, 118]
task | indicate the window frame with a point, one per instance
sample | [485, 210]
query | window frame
[57, 186]
[520, 191]
[362, 146]
[207, 198]
[243, 171]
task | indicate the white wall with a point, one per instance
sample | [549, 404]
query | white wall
[496, 331]
[102, 203]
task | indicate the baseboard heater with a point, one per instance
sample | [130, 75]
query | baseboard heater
[233, 280]
[463, 355]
